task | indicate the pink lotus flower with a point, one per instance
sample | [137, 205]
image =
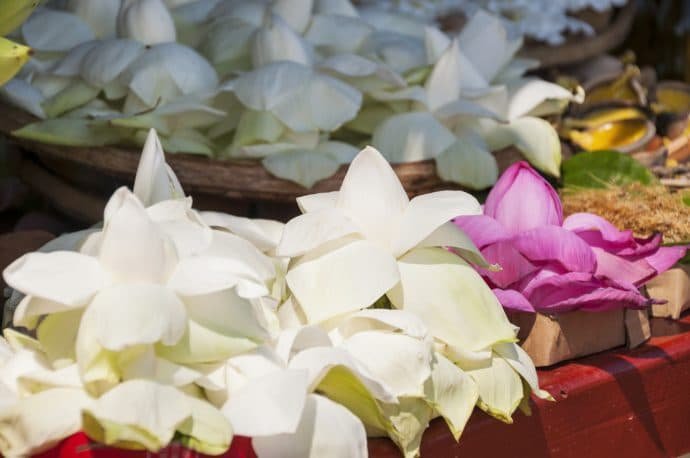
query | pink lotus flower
[551, 265]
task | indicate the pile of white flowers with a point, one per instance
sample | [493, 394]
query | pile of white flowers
[549, 21]
[301, 85]
[353, 320]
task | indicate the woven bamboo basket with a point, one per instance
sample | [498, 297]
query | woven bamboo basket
[78, 180]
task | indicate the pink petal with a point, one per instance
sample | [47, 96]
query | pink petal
[552, 243]
[666, 257]
[482, 230]
[596, 231]
[522, 200]
[513, 300]
[621, 270]
[552, 293]
[600, 300]
[514, 266]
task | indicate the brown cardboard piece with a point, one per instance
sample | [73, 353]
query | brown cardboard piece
[674, 287]
[550, 339]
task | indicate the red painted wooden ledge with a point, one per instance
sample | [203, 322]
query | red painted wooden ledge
[634, 404]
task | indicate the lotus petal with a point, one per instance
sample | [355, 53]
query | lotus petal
[303, 167]
[344, 280]
[319, 201]
[133, 247]
[513, 300]
[41, 420]
[44, 275]
[485, 41]
[426, 213]
[45, 31]
[523, 200]
[412, 137]
[519, 360]
[325, 429]
[529, 93]
[468, 164]
[311, 230]
[482, 230]
[553, 243]
[104, 62]
[275, 41]
[25, 96]
[337, 34]
[446, 293]
[534, 137]
[514, 266]
[206, 430]
[281, 396]
[453, 394]
[155, 181]
[371, 176]
[401, 362]
[500, 388]
[137, 411]
[135, 314]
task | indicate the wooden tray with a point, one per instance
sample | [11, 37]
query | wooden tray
[78, 180]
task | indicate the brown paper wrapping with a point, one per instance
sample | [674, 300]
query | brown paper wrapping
[550, 339]
[674, 287]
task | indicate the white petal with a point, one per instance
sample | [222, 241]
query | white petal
[155, 181]
[227, 313]
[449, 295]
[344, 280]
[294, 340]
[535, 138]
[136, 314]
[297, 13]
[428, 212]
[71, 63]
[311, 230]
[485, 41]
[207, 429]
[521, 362]
[133, 248]
[320, 360]
[412, 137]
[146, 410]
[454, 394]
[450, 235]
[469, 164]
[25, 96]
[338, 7]
[500, 388]
[147, 21]
[401, 362]
[305, 168]
[279, 396]
[315, 202]
[106, 61]
[372, 196]
[437, 42]
[265, 234]
[530, 93]
[383, 320]
[326, 429]
[61, 276]
[41, 420]
[275, 41]
[46, 31]
[336, 33]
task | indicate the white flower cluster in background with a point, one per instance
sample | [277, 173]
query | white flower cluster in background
[549, 21]
[168, 324]
[301, 85]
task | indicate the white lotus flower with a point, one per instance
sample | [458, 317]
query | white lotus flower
[462, 101]
[148, 21]
[189, 272]
[369, 240]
